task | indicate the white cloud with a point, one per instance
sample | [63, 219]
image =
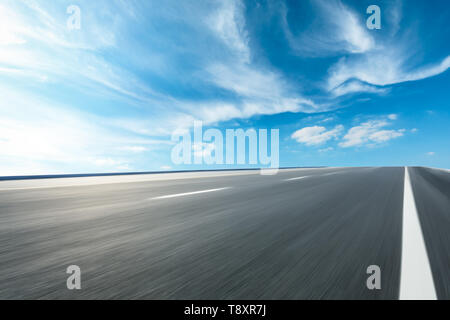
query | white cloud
[357, 86]
[392, 116]
[329, 119]
[431, 153]
[380, 68]
[40, 137]
[351, 28]
[203, 149]
[369, 133]
[259, 90]
[338, 29]
[316, 135]
[228, 23]
[108, 163]
[215, 112]
[134, 149]
[72, 58]
[326, 150]
[385, 135]
[427, 71]
[387, 62]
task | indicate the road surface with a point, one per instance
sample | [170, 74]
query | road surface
[299, 234]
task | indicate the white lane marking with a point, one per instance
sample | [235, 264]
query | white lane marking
[188, 193]
[330, 174]
[296, 178]
[416, 280]
[321, 175]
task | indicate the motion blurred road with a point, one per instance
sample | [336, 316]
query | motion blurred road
[299, 234]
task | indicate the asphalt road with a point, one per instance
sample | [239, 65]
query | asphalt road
[300, 234]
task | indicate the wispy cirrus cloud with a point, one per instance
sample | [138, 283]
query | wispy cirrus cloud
[35, 43]
[337, 29]
[371, 62]
[390, 60]
[257, 89]
[228, 22]
[380, 68]
[356, 86]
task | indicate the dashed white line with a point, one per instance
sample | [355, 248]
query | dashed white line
[330, 174]
[321, 175]
[188, 193]
[296, 178]
[416, 280]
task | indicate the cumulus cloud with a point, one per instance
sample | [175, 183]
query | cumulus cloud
[316, 135]
[369, 133]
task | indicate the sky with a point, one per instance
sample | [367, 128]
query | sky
[107, 96]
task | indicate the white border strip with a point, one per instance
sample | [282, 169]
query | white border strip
[416, 280]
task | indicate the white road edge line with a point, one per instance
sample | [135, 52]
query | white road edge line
[416, 280]
[188, 193]
[297, 178]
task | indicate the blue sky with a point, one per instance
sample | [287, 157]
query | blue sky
[108, 96]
